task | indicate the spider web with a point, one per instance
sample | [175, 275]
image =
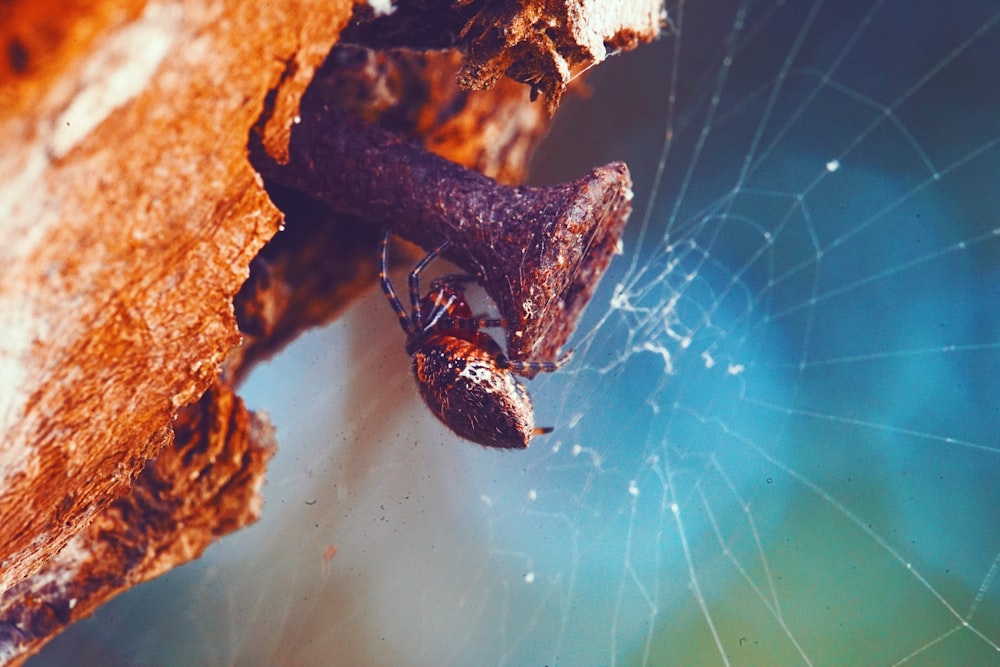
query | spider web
[777, 442]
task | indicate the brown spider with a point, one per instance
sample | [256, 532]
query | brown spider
[465, 378]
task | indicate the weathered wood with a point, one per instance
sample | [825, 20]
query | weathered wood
[543, 44]
[206, 485]
[130, 215]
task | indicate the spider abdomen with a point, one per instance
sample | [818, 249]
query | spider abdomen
[466, 388]
[463, 374]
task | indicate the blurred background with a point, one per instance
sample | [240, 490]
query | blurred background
[778, 442]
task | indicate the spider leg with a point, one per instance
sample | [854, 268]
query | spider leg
[522, 367]
[437, 315]
[459, 281]
[414, 281]
[526, 367]
[383, 276]
[473, 323]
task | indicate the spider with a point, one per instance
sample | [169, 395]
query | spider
[464, 377]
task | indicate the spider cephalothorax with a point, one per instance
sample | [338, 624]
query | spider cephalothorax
[465, 378]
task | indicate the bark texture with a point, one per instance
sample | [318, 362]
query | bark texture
[130, 215]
